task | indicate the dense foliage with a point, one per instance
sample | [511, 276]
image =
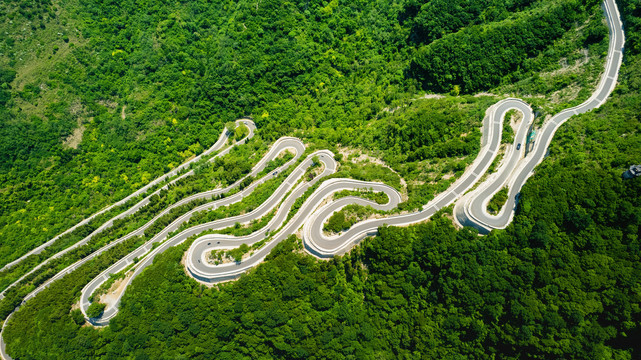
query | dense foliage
[99, 97]
[428, 290]
[562, 281]
[431, 20]
[346, 217]
[481, 57]
[206, 175]
[497, 201]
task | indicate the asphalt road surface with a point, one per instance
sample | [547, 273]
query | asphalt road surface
[222, 140]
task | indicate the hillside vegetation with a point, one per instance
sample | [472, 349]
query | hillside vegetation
[483, 56]
[98, 98]
[152, 83]
[562, 281]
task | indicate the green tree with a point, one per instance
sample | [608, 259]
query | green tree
[96, 309]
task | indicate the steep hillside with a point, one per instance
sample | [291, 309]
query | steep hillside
[99, 97]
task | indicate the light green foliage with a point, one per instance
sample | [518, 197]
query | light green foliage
[240, 132]
[279, 161]
[566, 73]
[422, 141]
[482, 56]
[177, 76]
[315, 162]
[181, 75]
[346, 217]
[230, 126]
[377, 196]
[495, 163]
[206, 174]
[508, 133]
[237, 253]
[253, 226]
[369, 172]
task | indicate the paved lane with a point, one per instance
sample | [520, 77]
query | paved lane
[145, 259]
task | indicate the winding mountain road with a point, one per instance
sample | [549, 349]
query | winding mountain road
[222, 140]
[319, 206]
[471, 210]
[145, 253]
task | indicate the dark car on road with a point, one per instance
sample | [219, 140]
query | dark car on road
[518, 147]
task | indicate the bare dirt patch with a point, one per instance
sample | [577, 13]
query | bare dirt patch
[112, 105]
[113, 293]
[566, 68]
[484, 94]
[363, 158]
[515, 120]
[73, 140]
[313, 172]
[391, 110]
[429, 96]
[76, 108]
[566, 94]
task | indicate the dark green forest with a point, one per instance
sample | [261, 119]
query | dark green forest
[151, 84]
[483, 56]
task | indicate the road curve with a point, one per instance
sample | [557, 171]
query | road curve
[313, 211]
[202, 271]
[513, 168]
[222, 139]
[471, 210]
[143, 256]
[294, 186]
[217, 146]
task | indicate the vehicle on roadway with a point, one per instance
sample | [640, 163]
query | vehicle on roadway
[518, 147]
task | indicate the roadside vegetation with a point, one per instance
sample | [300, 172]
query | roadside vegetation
[497, 201]
[207, 174]
[97, 99]
[507, 136]
[346, 217]
[484, 56]
[576, 211]
[145, 87]
[376, 196]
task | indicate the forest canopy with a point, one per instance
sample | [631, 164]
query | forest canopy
[102, 97]
[97, 98]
